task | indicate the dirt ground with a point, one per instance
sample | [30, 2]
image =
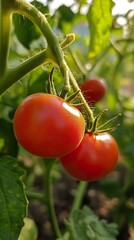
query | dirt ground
[64, 190]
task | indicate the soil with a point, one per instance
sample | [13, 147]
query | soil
[64, 190]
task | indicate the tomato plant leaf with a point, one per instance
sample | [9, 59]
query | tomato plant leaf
[40, 6]
[66, 236]
[13, 203]
[8, 143]
[65, 14]
[84, 224]
[37, 83]
[100, 21]
[25, 30]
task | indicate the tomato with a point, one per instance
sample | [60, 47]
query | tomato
[93, 90]
[47, 126]
[93, 159]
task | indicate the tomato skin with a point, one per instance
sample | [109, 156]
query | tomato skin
[47, 126]
[93, 90]
[93, 159]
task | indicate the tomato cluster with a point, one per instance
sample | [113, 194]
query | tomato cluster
[97, 154]
[48, 126]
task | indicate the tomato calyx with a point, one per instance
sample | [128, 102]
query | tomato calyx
[100, 129]
[90, 127]
[72, 96]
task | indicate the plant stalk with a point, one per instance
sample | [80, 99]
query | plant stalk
[54, 54]
[12, 75]
[85, 104]
[79, 195]
[5, 27]
[31, 12]
[78, 63]
[35, 195]
[49, 199]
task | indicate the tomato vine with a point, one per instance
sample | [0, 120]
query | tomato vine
[54, 54]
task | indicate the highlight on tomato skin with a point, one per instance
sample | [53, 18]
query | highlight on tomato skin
[93, 159]
[47, 126]
[94, 89]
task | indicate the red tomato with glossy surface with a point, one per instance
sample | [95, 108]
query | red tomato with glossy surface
[93, 159]
[47, 126]
[93, 90]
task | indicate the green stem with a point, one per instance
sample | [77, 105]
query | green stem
[131, 40]
[113, 45]
[31, 12]
[54, 52]
[49, 196]
[78, 63]
[5, 26]
[100, 57]
[14, 74]
[66, 87]
[79, 195]
[107, 48]
[34, 195]
[114, 76]
[85, 104]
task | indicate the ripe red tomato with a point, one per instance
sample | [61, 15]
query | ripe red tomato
[93, 159]
[47, 126]
[93, 90]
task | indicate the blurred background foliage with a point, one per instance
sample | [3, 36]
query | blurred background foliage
[113, 60]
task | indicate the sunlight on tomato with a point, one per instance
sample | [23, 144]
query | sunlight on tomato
[70, 109]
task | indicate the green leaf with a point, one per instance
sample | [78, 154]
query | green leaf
[25, 30]
[65, 14]
[13, 203]
[38, 83]
[29, 230]
[41, 7]
[66, 236]
[8, 143]
[100, 21]
[84, 224]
